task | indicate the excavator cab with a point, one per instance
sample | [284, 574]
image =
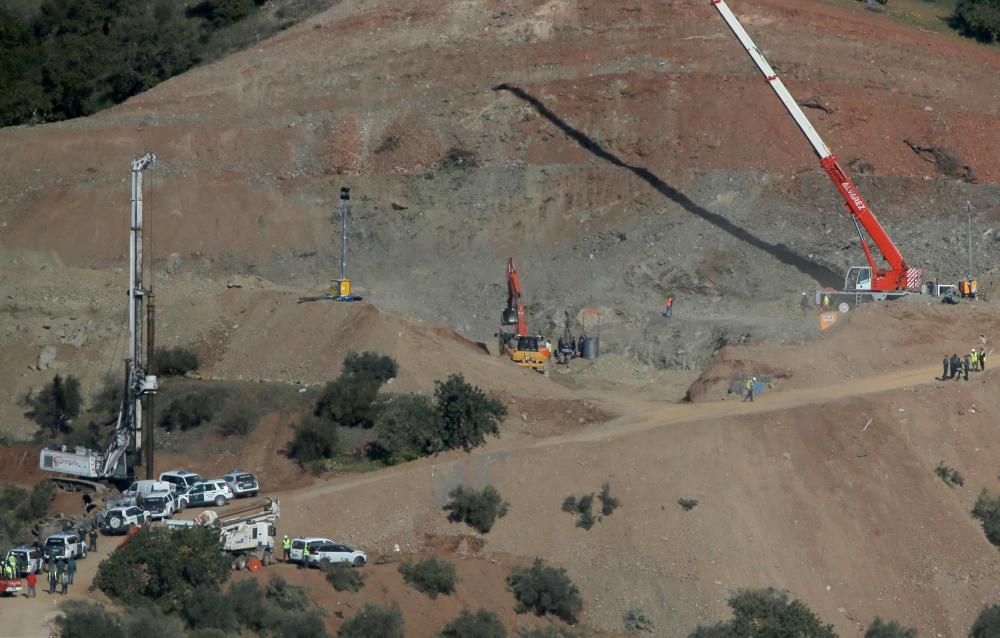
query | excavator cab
[508, 316]
[858, 278]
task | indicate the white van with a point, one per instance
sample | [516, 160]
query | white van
[142, 488]
[180, 480]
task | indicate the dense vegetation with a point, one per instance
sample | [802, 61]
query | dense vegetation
[276, 611]
[68, 58]
[987, 510]
[479, 509]
[979, 19]
[482, 624]
[544, 590]
[767, 613]
[431, 576]
[19, 508]
[405, 427]
[373, 620]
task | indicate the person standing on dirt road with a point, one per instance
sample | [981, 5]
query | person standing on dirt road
[749, 386]
[965, 366]
[92, 537]
[52, 580]
[32, 581]
[947, 366]
[668, 307]
[71, 569]
[64, 580]
[305, 556]
[982, 360]
[956, 365]
[826, 302]
[286, 546]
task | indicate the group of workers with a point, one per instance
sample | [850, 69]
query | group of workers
[956, 367]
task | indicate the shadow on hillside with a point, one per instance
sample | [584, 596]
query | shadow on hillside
[823, 275]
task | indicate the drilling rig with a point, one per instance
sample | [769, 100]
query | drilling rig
[116, 464]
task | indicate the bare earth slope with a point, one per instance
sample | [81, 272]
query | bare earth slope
[637, 133]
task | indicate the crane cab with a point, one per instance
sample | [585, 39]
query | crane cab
[858, 278]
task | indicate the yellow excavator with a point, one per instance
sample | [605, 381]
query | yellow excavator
[523, 349]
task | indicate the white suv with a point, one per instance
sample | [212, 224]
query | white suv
[214, 492]
[120, 519]
[160, 505]
[65, 545]
[180, 480]
[242, 483]
[29, 560]
[334, 553]
[295, 555]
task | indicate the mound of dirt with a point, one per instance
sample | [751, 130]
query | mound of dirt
[315, 337]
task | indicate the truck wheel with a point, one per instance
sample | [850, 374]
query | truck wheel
[83, 553]
[241, 563]
[359, 562]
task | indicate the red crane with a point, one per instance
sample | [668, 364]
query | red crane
[898, 275]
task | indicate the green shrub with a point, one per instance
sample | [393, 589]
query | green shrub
[20, 508]
[987, 510]
[979, 19]
[368, 365]
[482, 624]
[431, 576]
[406, 428]
[880, 629]
[82, 619]
[949, 475]
[477, 509]
[987, 623]
[285, 596]
[467, 416]
[373, 621]
[635, 619]
[687, 503]
[246, 600]
[582, 507]
[763, 613]
[163, 566]
[351, 399]
[545, 590]
[314, 440]
[608, 503]
[343, 577]
[208, 608]
[236, 420]
[175, 362]
[150, 622]
[56, 405]
[190, 409]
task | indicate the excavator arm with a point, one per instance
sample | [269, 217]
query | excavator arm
[515, 306]
[898, 275]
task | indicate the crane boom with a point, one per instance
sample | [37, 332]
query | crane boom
[898, 276]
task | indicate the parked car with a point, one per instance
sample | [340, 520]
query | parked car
[160, 505]
[295, 555]
[335, 553]
[242, 483]
[29, 560]
[119, 520]
[65, 545]
[214, 492]
[180, 480]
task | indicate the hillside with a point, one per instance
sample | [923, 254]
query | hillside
[619, 152]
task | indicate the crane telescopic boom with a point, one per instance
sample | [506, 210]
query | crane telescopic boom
[898, 276]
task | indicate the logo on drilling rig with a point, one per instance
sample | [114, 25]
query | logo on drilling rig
[853, 194]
